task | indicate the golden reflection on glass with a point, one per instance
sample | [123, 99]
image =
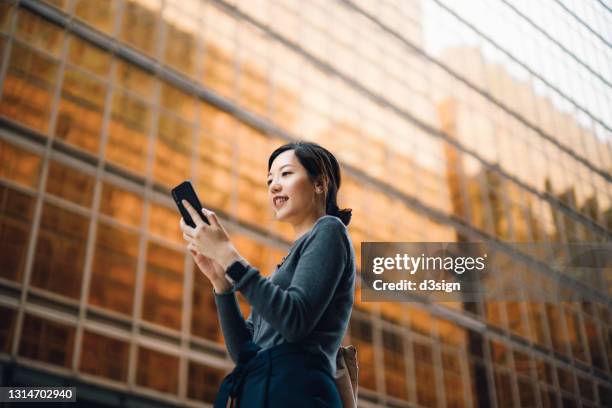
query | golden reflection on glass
[395, 370]
[86, 55]
[16, 215]
[18, 165]
[134, 79]
[252, 197]
[104, 356]
[157, 370]
[204, 320]
[453, 384]
[361, 337]
[177, 101]
[203, 382]
[172, 150]
[46, 341]
[123, 205]
[70, 184]
[28, 87]
[7, 328]
[165, 223]
[425, 374]
[114, 269]
[79, 120]
[182, 27]
[163, 288]
[140, 25]
[39, 32]
[61, 4]
[99, 14]
[127, 140]
[503, 387]
[6, 13]
[220, 49]
[60, 251]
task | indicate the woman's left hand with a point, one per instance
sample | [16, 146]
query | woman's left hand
[212, 240]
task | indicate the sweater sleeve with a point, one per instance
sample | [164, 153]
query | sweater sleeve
[235, 329]
[295, 311]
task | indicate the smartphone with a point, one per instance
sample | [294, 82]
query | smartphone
[185, 191]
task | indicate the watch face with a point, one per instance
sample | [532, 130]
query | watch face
[236, 271]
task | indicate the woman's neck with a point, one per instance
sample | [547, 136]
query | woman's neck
[305, 225]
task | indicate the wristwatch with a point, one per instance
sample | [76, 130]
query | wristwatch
[235, 272]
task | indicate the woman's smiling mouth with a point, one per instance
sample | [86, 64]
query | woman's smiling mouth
[280, 201]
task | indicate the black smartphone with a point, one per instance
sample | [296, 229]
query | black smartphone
[185, 191]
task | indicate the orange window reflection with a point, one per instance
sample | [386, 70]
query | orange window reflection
[60, 251]
[163, 293]
[6, 13]
[395, 369]
[46, 341]
[123, 205]
[28, 87]
[157, 370]
[114, 269]
[70, 184]
[39, 32]
[134, 79]
[19, 165]
[165, 222]
[100, 13]
[425, 374]
[172, 150]
[128, 132]
[104, 356]
[203, 382]
[16, 214]
[204, 321]
[361, 336]
[140, 25]
[88, 56]
[7, 328]
[453, 386]
[79, 120]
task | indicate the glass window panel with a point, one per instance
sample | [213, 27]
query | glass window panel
[134, 79]
[7, 328]
[114, 269]
[395, 370]
[70, 184]
[16, 213]
[177, 101]
[128, 132]
[203, 382]
[503, 388]
[254, 88]
[425, 374]
[60, 251]
[163, 293]
[165, 222]
[104, 356]
[39, 32]
[7, 8]
[140, 25]
[557, 331]
[204, 321]
[79, 120]
[453, 386]
[88, 56]
[123, 205]
[157, 370]
[172, 151]
[361, 336]
[27, 93]
[181, 41]
[61, 4]
[46, 341]
[19, 165]
[100, 14]
[219, 68]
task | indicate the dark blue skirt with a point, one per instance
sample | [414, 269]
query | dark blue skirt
[280, 376]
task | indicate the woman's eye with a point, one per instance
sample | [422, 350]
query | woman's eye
[285, 172]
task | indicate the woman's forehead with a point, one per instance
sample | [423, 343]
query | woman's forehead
[285, 158]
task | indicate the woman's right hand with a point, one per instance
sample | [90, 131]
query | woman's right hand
[212, 270]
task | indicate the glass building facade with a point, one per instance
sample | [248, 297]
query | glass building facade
[482, 120]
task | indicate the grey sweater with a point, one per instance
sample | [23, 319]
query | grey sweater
[307, 300]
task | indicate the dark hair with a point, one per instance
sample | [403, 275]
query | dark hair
[320, 164]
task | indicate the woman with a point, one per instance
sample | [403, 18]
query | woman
[286, 349]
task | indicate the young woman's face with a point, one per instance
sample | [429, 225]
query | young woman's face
[290, 191]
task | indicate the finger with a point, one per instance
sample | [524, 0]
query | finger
[193, 213]
[187, 237]
[186, 228]
[212, 218]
